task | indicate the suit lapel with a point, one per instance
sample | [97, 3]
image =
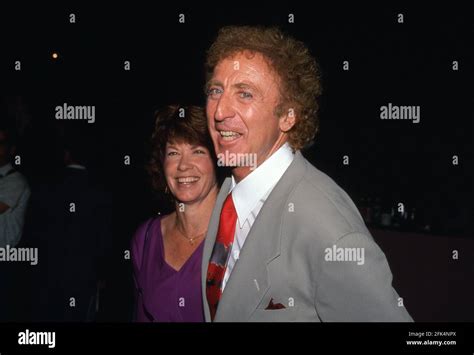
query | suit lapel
[248, 282]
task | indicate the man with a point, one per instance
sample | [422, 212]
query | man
[14, 196]
[14, 192]
[285, 242]
[70, 223]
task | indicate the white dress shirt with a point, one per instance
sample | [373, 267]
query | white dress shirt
[5, 169]
[250, 194]
[14, 192]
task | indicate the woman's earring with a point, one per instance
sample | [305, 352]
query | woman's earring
[166, 190]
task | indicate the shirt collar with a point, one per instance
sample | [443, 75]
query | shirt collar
[259, 182]
[5, 169]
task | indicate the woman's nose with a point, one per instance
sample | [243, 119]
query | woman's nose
[184, 163]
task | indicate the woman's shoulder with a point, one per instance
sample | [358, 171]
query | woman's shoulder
[140, 233]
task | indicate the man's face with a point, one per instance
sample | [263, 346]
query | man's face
[242, 95]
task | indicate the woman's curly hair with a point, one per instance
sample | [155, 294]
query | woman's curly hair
[299, 74]
[177, 124]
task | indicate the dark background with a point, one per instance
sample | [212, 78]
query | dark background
[396, 161]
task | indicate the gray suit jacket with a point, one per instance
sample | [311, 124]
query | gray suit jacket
[286, 258]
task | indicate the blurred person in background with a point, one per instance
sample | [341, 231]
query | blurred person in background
[70, 223]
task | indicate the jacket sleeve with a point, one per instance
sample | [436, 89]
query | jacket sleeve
[357, 289]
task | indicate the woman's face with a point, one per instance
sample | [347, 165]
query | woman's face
[189, 171]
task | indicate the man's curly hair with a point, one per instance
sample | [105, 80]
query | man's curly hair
[298, 71]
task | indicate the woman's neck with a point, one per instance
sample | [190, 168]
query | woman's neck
[193, 219]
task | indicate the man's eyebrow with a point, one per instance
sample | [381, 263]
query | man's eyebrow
[241, 85]
[214, 83]
[245, 85]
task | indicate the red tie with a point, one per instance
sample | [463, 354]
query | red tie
[220, 254]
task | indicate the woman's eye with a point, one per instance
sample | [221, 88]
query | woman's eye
[171, 153]
[245, 95]
[199, 151]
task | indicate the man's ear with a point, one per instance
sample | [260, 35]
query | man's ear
[288, 120]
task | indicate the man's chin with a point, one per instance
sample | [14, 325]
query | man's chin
[226, 155]
[237, 159]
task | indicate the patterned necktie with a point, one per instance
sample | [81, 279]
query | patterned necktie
[220, 254]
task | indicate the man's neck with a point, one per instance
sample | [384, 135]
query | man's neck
[241, 172]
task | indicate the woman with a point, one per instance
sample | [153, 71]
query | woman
[167, 250]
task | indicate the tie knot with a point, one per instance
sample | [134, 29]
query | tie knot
[228, 205]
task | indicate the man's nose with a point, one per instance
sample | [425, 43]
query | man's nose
[224, 108]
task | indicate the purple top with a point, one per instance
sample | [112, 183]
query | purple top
[162, 293]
